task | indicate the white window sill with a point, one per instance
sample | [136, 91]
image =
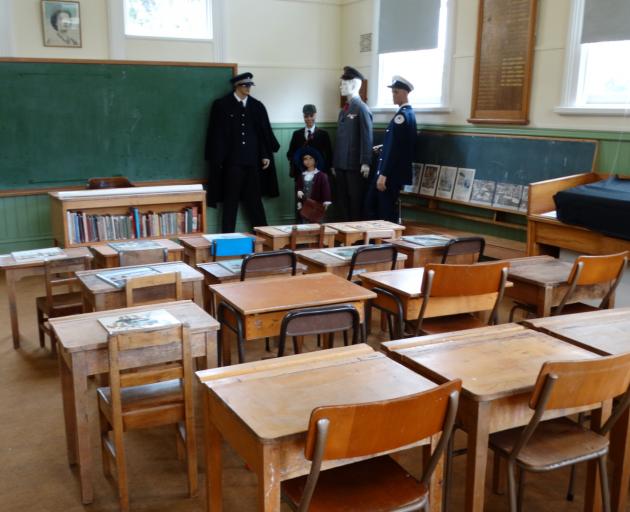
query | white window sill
[426, 110]
[592, 111]
[167, 38]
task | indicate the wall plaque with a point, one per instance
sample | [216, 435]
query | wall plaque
[503, 61]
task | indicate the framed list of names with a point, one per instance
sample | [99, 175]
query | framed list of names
[503, 61]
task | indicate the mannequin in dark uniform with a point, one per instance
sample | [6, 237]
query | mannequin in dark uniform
[239, 147]
[395, 163]
[311, 136]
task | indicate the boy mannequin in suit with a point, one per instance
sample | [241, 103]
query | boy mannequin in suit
[311, 136]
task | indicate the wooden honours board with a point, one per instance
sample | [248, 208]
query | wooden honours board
[503, 61]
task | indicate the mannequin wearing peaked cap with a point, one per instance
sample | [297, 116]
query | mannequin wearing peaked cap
[397, 154]
[239, 148]
[313, 136]
[353, 147]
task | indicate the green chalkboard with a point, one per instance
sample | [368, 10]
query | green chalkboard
[510, 159]
[65, 121]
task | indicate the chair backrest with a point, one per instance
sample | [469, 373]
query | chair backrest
[449, 287]
[61, 273]
[357, 430]
[590, 270]
[372, 255]
[300, 234]
[473, 245]
[153, 289]
[319, 320]
[130, 257]
[109, 182]
[238, 246]
[266, 262]
[569, 384]
[174, 340]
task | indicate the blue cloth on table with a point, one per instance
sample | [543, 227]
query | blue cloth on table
[237, 246]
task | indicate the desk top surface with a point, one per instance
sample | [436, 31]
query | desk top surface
[275, 397]
[201, 242]
[282, 231]
[606, 332]
[107, 250]
[324, 258]
[540, 270]
[365, 226]
[273, 294]
[95, 284]
[84, 332]
[218, 271]
[405, 281]
[493, 362]
[7, 262]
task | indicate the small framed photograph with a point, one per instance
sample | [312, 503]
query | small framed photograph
[463, 184]
[61, 22]
[429, 179]
[446, 182]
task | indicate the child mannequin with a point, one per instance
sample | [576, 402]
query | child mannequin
[311, 183]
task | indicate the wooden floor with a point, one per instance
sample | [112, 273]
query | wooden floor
[35, 475]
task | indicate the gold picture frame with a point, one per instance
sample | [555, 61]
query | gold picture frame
[61, 24]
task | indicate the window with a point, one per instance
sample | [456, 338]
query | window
[597, 78]
[426, 69]
[169, 19]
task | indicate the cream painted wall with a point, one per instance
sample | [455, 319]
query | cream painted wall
[548, 73]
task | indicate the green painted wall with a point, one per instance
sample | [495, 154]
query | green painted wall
[24, 220]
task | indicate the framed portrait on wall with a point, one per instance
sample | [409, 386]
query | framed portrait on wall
[61, 23]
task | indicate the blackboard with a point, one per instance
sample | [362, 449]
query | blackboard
[504, 158]
[65, 121]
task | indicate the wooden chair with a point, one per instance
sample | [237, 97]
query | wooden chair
[361, 430]
[547, 445]
[456, 291]
[59, 273]
[473, 245]
[144, 397]
[153, 289]
[320, 320]
[297, 234]
[372, 255]
[606, 270]
[109, 182]
[142, 256]
[264, 262]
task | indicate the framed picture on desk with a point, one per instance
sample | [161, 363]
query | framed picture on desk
[61, 24]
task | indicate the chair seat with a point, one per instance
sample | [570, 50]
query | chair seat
[64, 304]
[375, 485]
[555, 443]
[577, 307]
[147, 396]
[450, 323]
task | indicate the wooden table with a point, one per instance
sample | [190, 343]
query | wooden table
[419, 256]
[605, 332]
[99, 295]
[498, 366]
[276, 237]
[17, 270]
[262, 410]
[262, 303]
[351, 232]
[197, 248]
[83, 352]
[318, 260]
[542, 281]
[106, 256]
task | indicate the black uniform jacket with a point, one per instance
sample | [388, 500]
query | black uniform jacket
[224, 132]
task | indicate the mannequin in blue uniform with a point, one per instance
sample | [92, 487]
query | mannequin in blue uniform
[395, 163]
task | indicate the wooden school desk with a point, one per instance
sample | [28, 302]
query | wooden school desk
[17, 270]
[419, 256]
[542, 281]
[351, 232]
[318, 260]
[262, 410]
[83, 352]
[605, 332]
[276, 237]
[197, 248]
[262, 303]
[498, 366]
[107, 257]
[99, 295]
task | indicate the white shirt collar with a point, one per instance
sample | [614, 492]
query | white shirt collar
[241, 100]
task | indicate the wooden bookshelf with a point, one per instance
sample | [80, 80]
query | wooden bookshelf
[119, 202]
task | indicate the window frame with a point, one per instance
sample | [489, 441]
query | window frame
[571, 77]
[444, 107]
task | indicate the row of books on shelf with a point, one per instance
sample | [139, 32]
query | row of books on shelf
[459, 183]
[83, 227]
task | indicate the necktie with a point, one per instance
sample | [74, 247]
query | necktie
[310, 135]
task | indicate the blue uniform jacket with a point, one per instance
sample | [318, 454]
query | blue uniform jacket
[399, 147]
